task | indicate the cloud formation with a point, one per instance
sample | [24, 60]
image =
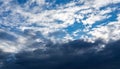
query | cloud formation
[59, 34]
[49, 17]
[76, 54]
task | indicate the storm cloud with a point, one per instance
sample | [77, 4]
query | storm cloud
[73, 55]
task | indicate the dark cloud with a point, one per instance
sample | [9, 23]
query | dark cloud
[73, 55]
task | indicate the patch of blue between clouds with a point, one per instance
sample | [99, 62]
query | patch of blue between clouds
[70, 29]
[113, 15]
[7, 36]
[1, 3]
[21, 1]
[58, 2]
[75, 27]
[55, 3]
[5, 13]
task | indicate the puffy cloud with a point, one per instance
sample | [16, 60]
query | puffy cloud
[49, 19]
[110, 32]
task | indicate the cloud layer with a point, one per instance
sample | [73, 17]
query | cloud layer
[51, 17]
[59, 34]
[84, 55]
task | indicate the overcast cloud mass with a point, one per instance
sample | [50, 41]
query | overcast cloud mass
[59, 34]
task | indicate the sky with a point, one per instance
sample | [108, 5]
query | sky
[59, 34]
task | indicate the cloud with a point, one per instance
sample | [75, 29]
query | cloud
[108, 32]
[40, 15]
[6, 36]
[37, 34]
[84, 55]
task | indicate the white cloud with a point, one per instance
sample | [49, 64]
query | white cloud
[9, 47]
[110, 32]
[47, 22]
[97, 15]
[101, 3]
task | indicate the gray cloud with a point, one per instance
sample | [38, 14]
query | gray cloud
[73, 55]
